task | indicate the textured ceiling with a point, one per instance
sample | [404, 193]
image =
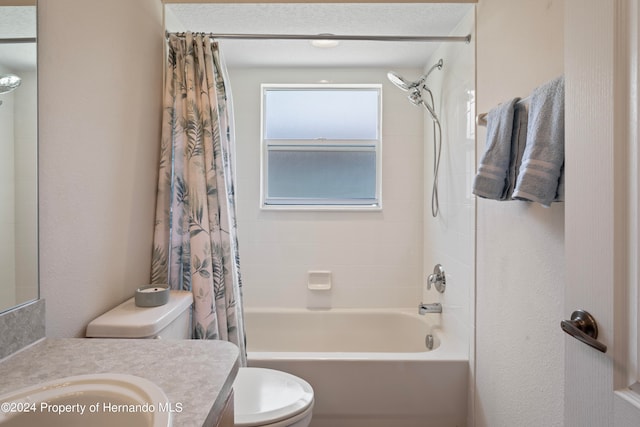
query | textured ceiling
[314, 18]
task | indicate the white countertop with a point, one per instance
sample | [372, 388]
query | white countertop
[198, 374]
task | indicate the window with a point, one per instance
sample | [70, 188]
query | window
[321, 146]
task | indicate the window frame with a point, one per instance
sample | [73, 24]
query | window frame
[374, 145]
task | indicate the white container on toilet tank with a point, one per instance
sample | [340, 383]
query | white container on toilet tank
[169, 321]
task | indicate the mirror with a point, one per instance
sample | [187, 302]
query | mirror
[18, 156]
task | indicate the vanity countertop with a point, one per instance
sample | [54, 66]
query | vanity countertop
[198, 374]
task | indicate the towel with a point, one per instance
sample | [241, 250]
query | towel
[518, 143]
[490, 181]
[560, 192]
[543, 158]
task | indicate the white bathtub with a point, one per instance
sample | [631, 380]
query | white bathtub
[368, 368]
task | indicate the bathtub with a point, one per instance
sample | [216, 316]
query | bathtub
[368, 368]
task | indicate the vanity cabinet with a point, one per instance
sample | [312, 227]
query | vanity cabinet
[226, 418]
[204, 399]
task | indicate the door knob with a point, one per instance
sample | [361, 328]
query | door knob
[583, 327]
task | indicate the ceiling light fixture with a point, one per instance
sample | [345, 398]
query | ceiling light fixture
[324, 43]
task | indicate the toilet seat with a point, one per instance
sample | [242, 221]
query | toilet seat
[265, 397]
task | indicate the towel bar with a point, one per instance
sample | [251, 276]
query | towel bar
[481, 119]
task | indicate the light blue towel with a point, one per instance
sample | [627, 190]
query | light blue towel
[491, 179]
[518, 143]
[543, 158]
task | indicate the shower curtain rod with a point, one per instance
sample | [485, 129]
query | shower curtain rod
[466, 39]
[18, 40]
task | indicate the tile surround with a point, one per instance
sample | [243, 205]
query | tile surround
[375, 257]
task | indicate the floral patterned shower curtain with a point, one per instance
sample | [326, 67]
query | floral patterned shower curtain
[195, 241]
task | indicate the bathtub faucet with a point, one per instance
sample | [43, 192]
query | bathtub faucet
[435, 307]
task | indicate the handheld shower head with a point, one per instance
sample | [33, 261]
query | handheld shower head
[9, 82]
[415, 96]
[416, 99]
[416, 91]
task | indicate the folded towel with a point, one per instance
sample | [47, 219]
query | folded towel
[543, 156]
[491, 179]
[518, 143]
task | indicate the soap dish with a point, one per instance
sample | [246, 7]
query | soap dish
[152, 295]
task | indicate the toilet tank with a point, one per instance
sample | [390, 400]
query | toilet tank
[169, 321]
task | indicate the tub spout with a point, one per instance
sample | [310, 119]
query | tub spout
[435, 307]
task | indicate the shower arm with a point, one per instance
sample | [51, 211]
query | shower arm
[420, 83]
[438, 65]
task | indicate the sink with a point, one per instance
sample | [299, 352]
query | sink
[98, 400]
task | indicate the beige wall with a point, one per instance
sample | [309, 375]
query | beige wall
[520, 246]
[100, 65]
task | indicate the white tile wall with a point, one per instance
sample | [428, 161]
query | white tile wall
[375, 257]
[449, 238]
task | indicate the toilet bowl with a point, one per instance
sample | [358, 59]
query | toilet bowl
[269, 398]
[262, 397]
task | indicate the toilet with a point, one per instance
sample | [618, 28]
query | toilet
[270, 398]
[262, 397]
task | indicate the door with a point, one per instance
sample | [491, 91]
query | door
[601, 210]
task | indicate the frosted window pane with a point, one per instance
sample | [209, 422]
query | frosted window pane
[330, 114]
[310, 174]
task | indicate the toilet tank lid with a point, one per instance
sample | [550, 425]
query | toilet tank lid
[130, 321]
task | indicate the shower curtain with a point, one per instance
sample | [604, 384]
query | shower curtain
[195, 242]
